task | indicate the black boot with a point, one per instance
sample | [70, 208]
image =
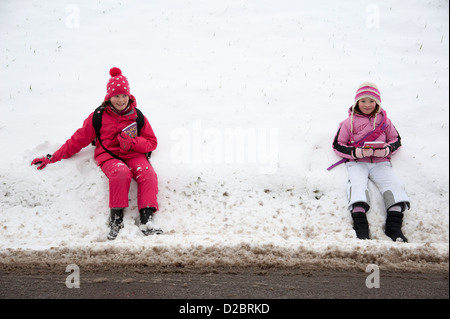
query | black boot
[394, 226]
[360, 225]
[147, 225]
[115, 222]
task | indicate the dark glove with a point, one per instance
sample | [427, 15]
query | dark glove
[42, 161]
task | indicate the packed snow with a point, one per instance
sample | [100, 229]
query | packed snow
[245, 98]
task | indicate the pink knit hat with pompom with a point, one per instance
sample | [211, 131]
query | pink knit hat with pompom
[117, 84]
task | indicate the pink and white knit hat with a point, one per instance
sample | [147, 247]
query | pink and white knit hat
[370, 90]
[366, 90]
[117, 84]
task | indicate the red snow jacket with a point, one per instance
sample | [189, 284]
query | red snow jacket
[362, 125]
[112, 125]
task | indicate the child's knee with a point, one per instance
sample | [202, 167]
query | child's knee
[120, 174]
[146, 174]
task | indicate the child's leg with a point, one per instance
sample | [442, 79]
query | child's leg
[357, 190]
[389, 184]
[147, 181]
[119, 176]
[394, 196]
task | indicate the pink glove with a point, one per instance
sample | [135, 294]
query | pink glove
[381, 152]
[42, 161]
[125, 141]
[361, 152]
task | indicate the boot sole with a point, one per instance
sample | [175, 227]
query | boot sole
[152, 232]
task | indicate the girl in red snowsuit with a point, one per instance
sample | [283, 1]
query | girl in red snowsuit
[119, 112]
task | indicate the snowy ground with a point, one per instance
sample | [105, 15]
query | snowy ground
[245, 98]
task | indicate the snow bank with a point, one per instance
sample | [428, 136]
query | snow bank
[245, 98]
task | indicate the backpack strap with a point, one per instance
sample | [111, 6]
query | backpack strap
[344, 160]
[97, 120]
[97, 123]
[139, 120]
[373, 134]
[140, 123]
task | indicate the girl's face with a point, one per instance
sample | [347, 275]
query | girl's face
[120, 102]
[367, 105]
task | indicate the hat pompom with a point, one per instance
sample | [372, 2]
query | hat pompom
[115, 72]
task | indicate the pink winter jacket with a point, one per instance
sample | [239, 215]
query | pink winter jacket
[363, 124]
[112, 125]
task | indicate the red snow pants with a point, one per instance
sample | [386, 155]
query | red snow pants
[120, 176]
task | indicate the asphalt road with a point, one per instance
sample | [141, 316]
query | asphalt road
[231, 284]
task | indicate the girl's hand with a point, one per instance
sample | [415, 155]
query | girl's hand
[382, 152]
[125, 141]
[42, 161]
[361, 152]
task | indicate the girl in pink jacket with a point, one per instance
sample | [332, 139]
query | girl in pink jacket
[121, 156]
[368, 122]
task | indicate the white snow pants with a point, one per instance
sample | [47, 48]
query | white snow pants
[387, 182]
